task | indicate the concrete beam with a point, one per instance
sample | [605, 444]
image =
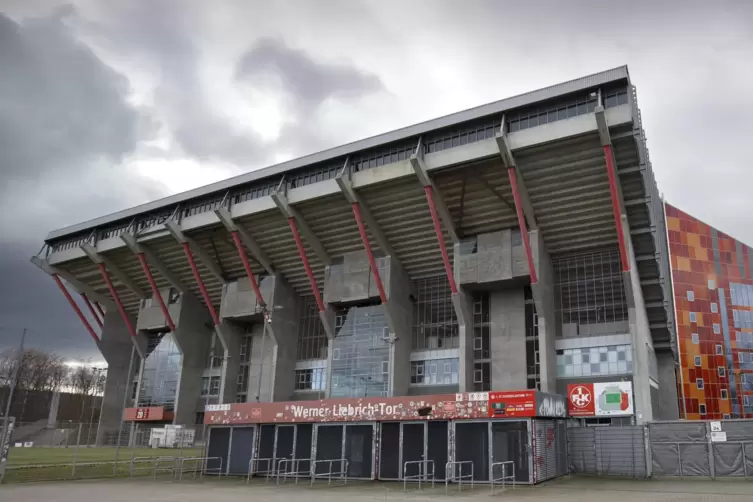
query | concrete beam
[289, 211]
[256, 251]
[352, 196]
[78, 286]
[419, 167]
[136, 248]
[205, 258]
[97, 258]
[602, 126]
[508, 160]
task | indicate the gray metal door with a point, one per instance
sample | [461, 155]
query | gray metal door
[241, 450]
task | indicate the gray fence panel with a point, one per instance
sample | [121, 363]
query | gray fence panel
[582, 451]
[728, 459]
[666, 459]
[738, 430]
[695, 459]
[608, 451]
[677, 432]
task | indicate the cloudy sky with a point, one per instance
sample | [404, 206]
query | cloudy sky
[108, 104]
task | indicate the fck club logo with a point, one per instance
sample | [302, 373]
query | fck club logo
[580, 397]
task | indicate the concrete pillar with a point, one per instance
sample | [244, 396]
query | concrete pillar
[668, 405]
[508, 339]
[640, 333]
[52, 416]
[116, 345]
[399, 311]
[544, 300]
[193, 335]
[463, 305]
[229, 338]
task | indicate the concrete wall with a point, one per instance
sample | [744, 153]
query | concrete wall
[668, 409]
[399, 310]
[496, 259]
[284, 327]
[508, 339]
[544, 300]
[152, 318]
[463, 304]
[193, 335]
[641, 334]
[262, 367]
[116, 347]
[354, 280]
[239, 300]
[229, 338]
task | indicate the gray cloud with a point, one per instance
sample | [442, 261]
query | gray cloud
[308, 82]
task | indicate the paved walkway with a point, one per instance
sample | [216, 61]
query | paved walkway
[564, 490]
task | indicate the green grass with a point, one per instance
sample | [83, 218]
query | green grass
[55, 463]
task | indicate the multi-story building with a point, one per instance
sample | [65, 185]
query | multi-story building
[520, 245]
[713, 293]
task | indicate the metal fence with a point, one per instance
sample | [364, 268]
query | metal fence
[673, 448]
[65, 450]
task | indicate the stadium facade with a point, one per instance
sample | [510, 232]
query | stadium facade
[499, 256]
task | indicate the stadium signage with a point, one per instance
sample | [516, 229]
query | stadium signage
[601, 399]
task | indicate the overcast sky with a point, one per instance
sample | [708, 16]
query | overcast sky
[108, 104]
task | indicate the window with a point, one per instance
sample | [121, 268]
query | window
[721, 371]
[712, 284]
[724, 394]
[594, 361]
[694, 338]
[702, 409]
[210, 388]
[714, 308]
[719, 349]
[697, 361]
[717, 329]
[435, 372]
[311, 379]
[693, 317]
[691, 296]
[699, 383]
[726, 416]
[435, 325]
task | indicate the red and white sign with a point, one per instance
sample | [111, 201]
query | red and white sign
[601, 399]
[580, 400]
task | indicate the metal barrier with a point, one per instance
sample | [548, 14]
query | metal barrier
[451, 471]
[342, 473]
[294, 470]
[161, 460]
[509, 477]
[271, 470]
[198, 462]
[423, 472]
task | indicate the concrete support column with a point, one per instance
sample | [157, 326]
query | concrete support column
[543, 297]
[668, 404]
[399, 311]
[193, 335]
[116, 345]
[640, 333]
[229, 337]
[463, 305]
[283, 326]
[508, 339]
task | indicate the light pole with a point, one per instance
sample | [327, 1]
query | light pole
[13, 383]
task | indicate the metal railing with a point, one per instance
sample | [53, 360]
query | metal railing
[200, 466]
[423, 472]
[454, 472]
[291, 468]
[504, 477]
[269, 472]
[342, 473]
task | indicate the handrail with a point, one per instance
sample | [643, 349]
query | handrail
[450, 476]
[158, 460]
[503, 478]
[343, 473]
[423, 472]
[203, 461]
[271, 468]
[295, 469]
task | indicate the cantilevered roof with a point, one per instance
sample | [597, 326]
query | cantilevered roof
[497, 107]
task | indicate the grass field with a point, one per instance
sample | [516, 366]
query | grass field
[47, 464]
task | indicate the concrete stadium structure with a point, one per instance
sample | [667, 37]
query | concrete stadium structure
[517, 245]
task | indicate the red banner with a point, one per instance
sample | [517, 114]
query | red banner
[463, 405]
[147, 414]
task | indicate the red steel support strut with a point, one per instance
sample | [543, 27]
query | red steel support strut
[616, 207]
[522, 223]
[75, 308]
[202, 287]
[247, 267]
[306, 266]
[116, 298]
[440, 238]
[91, 309]
[369, 253]
[155, 291]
